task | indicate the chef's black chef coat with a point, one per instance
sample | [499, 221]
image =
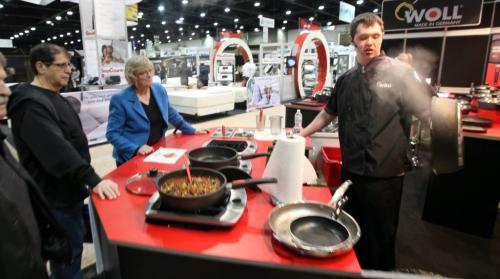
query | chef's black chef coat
[374, 104]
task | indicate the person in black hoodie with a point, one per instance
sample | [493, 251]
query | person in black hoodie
[30, 234]
[53, 147]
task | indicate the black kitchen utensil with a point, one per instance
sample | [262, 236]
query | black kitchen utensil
[477, 121]
[216, 157]
[193, 203]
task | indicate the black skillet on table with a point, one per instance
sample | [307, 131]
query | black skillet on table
[477, 121]
[215, 157]
[194, 203]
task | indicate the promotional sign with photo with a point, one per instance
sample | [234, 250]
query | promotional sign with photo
[265, 92]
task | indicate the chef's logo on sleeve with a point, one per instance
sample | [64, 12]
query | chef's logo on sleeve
[383, 84]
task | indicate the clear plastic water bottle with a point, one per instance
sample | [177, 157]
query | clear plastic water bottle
[297, 128]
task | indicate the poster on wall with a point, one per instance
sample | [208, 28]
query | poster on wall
[110, 19]
[426, 14]
[265, 92]
[112, 56]
[93, 109]
[493, 71]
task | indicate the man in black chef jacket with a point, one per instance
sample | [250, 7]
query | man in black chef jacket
[53, 147]
[374, 101]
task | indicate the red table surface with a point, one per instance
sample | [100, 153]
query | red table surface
[250, 239]
[493, 132]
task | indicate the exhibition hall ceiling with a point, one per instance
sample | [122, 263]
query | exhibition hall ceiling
[180, 20]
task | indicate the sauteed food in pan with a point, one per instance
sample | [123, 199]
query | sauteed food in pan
[180, 186]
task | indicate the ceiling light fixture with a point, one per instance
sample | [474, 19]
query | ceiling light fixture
[208, 31]
[163, 22]
[78, 40]
[242, 27]
[256, 4]
[288, 12]
[65, 43]
[190, 38]
[42, 41]
[16, 36]
[181, 18]
[329, 23]
[321, 7]
[54, 37]
[49, 39]
[227, 10]
[131, 37]
[311, 18]
[12, 38]
[166, 31]
[285, 21]
[185, 2]
[256, 29]
[168, 37]
[196, 26]
[161, 8]
[236, 19]
[77, 31]
[68, 34]
[192, 34]
[359, 2]
[179, 40]
[203, 14]
[48, 22]
[180, 28]
[375, 10]
[223, 29]
[147, 25]
[33, 28]
[259, 16]
[61, 35]
[69, 12]
[71, 42]
[142, 35]
[1, 6]
[58, 17]
[283, 28]
[134, 29]
[169, 41]
[178, 22]
[26, 31]
[216, 23]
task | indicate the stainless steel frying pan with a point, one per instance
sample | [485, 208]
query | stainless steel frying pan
[315, 229]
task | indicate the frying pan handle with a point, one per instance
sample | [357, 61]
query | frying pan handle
[255, 155]
[251, 182]
[339, 194]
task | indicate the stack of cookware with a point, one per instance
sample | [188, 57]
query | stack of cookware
[309, 77]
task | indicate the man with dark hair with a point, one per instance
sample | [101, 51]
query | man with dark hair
[53, 147]
[373, 102]
[26, 218]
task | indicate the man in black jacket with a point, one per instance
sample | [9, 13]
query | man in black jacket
[374, 101]
[53, 147]
[27, 221]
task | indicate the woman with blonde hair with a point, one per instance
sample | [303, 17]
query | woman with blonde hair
[138, 115]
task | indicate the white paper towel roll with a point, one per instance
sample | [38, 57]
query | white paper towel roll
[286, 164]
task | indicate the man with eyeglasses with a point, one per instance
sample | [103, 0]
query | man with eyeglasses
[53, 147]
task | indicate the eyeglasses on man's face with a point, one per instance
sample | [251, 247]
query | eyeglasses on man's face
[61, 66]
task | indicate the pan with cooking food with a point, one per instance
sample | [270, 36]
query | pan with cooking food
[207, 188]
[215, 157]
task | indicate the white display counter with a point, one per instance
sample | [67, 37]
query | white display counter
[201, 102]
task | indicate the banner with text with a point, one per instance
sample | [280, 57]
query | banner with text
[422, 14]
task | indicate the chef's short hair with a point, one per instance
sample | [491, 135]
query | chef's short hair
[45, 53]
[365, 19]
[136, 64]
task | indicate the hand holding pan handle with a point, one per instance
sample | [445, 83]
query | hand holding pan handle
[338, 200]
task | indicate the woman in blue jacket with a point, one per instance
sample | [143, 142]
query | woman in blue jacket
[138, 115]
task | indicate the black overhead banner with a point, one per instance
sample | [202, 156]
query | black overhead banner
[423, 14]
